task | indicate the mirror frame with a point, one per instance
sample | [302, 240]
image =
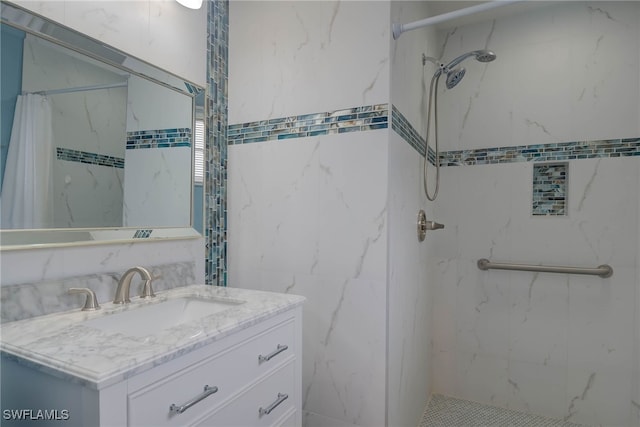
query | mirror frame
[30, 22]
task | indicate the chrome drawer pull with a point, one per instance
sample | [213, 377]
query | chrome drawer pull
[281, 398]
[208, 391]
[279, 349]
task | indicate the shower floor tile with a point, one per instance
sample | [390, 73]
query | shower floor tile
[445, 411]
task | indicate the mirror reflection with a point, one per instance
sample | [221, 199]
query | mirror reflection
[89, 143]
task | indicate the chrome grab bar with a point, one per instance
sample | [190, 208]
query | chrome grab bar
[208, 391]
[604, 270]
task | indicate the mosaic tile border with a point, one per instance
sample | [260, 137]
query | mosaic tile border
[159, 138]
[215, 179]
[405, 129]
[356, 119]
[560, 151]
[549, 196]
[89, 158]
[402, 127]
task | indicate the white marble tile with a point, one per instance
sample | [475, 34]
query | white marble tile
[481, 378]
[482, 311]
[409, 78]
[564, 54]
[484, 231]
[446, 281]
[299, 45]
[598, 396]
[245, 204]
[352, 196]
[343, 349]
[537, 389]
[538, 318]
[288, 230]
[600, 239]
[444, 372]
[601, 321]
[409, 291]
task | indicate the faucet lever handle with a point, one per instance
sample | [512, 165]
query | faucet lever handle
[91, 303]
[147, 290]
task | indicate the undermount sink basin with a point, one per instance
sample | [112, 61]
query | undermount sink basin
[151, 319]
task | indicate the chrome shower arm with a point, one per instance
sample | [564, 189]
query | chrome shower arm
[436, 61]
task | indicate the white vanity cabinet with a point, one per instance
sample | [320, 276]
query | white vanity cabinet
[253, 378]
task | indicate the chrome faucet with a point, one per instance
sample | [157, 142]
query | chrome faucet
[122, 293]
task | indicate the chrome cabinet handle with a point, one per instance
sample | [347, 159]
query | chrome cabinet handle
[281, 398]
[208, 391]
[279, 349]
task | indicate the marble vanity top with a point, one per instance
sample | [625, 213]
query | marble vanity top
[61, 344]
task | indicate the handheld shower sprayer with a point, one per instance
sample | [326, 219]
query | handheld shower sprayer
[454, 76]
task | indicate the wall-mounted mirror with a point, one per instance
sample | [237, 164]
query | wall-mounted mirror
[96, 145]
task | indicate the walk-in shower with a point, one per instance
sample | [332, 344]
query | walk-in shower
[454, 76]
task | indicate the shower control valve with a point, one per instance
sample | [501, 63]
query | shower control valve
[424, 225]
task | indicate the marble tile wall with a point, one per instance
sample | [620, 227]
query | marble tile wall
[556, 345]
[318, 228]
[409, 379]
[308, 213]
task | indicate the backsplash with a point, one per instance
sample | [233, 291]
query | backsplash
[28, 300]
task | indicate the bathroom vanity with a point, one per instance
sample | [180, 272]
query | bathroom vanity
[192, 356]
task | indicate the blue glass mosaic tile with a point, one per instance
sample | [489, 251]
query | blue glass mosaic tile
[159, 138]
[544, 152]
[402, 127]
[550, 189]
[215, 179]
[357, 119]
[560, 151]
[89, 158]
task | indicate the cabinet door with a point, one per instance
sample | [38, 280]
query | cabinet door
[269, 402]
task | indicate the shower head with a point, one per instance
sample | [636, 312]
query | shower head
[485, 55]
[454, 77]
[480, 55]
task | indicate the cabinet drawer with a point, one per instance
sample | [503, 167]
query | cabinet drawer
[274, 394]
[229, 371]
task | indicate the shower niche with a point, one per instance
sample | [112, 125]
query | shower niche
[549, 189]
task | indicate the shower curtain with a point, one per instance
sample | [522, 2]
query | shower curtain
[26, 200]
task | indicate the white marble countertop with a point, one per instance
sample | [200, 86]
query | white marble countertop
[63, 346]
